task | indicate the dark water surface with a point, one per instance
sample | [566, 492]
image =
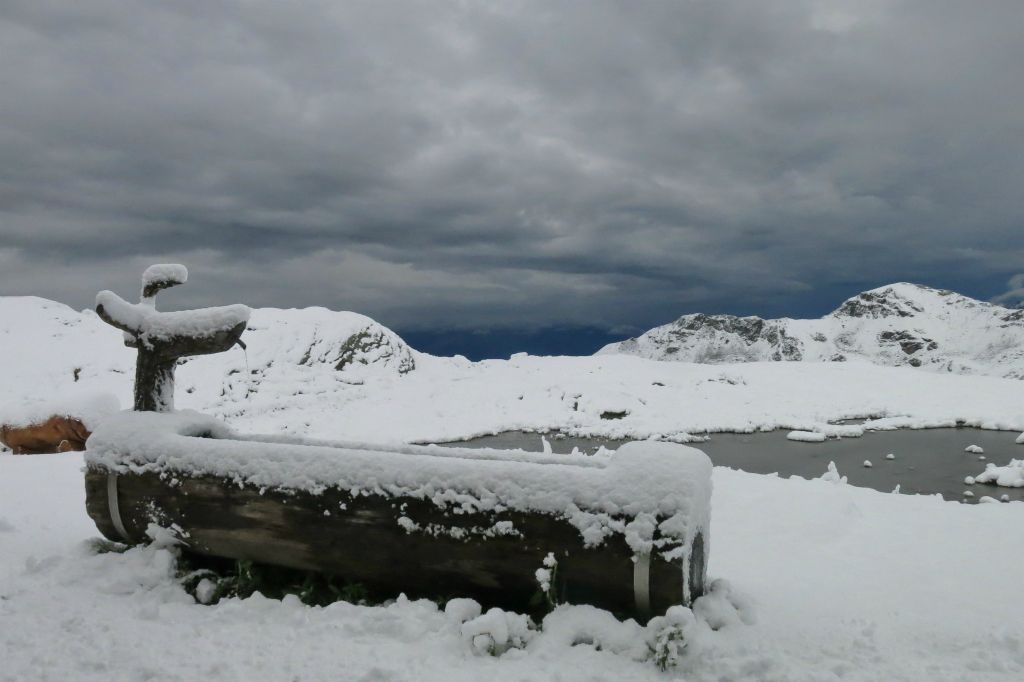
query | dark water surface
[928, 461]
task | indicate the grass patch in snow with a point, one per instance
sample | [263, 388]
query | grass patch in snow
[210, 579]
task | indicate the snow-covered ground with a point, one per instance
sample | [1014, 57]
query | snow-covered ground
[617, 397]
[341, 375]
[843, 583]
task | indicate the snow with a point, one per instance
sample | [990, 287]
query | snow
[890, 456]
[867, 464]
[796, 609]
[89, 407]
[164, 272]
[899, 324]
[806, 436]
[496, 631]
[828, 580]
[1009, 476]
[630, 491]
[832, 475]
[974, 449]
[144, 322]
[287, 382]
[1020, 439]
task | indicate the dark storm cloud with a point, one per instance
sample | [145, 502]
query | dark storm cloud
[439, 165]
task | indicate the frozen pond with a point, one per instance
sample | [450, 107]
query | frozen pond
[926, 461]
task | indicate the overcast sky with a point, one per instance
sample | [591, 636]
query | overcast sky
[449, 166]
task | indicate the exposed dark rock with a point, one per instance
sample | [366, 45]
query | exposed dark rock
[373, 343]
[908, 342]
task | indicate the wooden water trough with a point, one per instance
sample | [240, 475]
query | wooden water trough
[627, 531]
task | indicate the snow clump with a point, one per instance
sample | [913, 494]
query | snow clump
[974, 449]
[161, 273]
[806, 436]
[832, 475]
[1009, 476]
[497, 631]
[545, 575]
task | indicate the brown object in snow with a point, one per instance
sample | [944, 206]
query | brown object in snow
[56, 434]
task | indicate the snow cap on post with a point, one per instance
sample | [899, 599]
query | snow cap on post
[162, 276]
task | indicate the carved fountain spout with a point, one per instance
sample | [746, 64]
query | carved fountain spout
[162, 338]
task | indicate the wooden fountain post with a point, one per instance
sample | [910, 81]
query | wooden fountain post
[162, 338]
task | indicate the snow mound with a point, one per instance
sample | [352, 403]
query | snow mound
[806, 436]
[88, 407]
[896, 325]
[832, 475]
[1009, 476]
[311, 337]
[164, 273]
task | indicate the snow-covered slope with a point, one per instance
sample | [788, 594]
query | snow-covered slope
[900, 324]
[288, 382]
[843, 583]
[48, 351]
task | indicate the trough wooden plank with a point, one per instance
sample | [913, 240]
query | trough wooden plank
[361, 540]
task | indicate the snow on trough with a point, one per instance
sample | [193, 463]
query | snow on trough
[643, 481]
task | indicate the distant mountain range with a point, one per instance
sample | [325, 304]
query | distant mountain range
[899, 324]
[314, 356]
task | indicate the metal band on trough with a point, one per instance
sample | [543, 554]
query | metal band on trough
[115, 511]
[642, 583]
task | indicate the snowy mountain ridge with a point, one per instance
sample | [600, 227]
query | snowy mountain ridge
[900, 324]
[48, 350]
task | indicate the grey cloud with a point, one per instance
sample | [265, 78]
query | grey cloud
[1013, 297]
[532, 163]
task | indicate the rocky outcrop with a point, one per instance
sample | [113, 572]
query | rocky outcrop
[343, 341]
